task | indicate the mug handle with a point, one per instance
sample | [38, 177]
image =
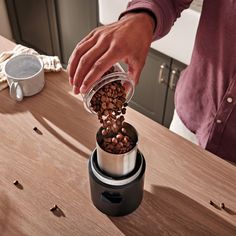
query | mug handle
[16, 91]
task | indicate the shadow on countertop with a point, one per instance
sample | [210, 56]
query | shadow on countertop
[60, 105]
[166, 211]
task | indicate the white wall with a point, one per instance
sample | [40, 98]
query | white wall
[5, 29]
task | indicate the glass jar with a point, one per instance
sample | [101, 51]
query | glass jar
[118, 74]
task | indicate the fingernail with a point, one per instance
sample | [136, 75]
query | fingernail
[83, 88]
[75, 89]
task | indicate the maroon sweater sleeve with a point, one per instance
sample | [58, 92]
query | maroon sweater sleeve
[164, 11]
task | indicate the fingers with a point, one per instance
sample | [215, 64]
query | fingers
[96, 62]
[91, 60]
[135, 72]
[79, 44]
[85, 64]
[101, 65]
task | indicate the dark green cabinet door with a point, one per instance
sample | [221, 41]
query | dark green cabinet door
[150, 93]
[52, 26]
[76, 18]
[34, 24]
[175, 70]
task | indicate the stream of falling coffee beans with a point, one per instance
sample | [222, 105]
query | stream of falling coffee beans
[109, 103]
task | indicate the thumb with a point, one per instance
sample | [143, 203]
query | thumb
[134, 73]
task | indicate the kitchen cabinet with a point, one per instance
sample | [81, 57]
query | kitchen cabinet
[174, 73]
[154, 95]
[150, 93]
[52, 27]
[76, 18]
[34, 24]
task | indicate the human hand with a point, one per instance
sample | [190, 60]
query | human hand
[126, 40]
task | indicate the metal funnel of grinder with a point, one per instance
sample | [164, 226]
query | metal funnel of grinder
[117, 165]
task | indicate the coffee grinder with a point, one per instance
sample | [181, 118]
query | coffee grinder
[117, 180]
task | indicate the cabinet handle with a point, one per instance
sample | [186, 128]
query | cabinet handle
[161, 78]
[173, 78]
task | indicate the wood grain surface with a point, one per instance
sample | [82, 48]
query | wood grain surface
[51, 167]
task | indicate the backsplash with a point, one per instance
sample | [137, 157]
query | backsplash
[197, 5]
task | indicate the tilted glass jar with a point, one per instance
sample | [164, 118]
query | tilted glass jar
[118, 74]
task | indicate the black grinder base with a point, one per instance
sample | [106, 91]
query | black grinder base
[116, 196]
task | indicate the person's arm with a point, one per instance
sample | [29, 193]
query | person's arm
[165, 12]
[126, 40]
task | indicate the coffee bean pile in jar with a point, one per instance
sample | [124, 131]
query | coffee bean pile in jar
[109, 103]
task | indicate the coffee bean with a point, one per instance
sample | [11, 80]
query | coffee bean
[211, 203]
[106, 113]
[119, 123]
[122, 118]
[115, 126]
[114, 140]
[104, 105]
[123, 99]
[222, 205]
[37, 130]
[108, 122]
[54, 208]
[103, 98]
[113, 87]
[119, 104]
[123, 130]
[123, 111]
[104, 132]
[113, 116]
[119, 136]
[121, 144]
[108, 129]
[111, 106]
[126, 139]
[108, 140]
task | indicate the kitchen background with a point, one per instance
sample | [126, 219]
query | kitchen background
[54, 27]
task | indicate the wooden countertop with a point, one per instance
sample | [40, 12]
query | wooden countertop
[180, 179]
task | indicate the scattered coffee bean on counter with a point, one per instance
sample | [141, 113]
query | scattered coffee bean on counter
[54, 208]
[109, 103]
[222, 205]
[214, 205]
[18, 184]
[37, 130]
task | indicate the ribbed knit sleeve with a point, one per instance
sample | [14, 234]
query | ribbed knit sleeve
[165, 11]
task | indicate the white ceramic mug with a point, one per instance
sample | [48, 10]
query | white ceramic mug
[25, 75]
